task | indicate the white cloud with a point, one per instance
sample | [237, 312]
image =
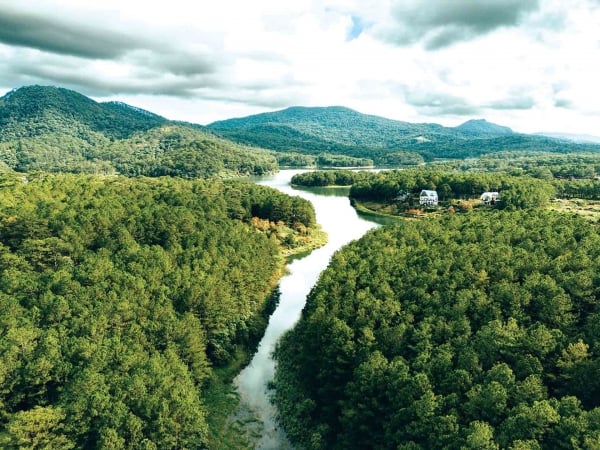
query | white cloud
[533, 65]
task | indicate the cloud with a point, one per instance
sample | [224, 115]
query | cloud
[105, 59]
[563, 103]
[104, 78]
[426, 100]
[532, 61]
[272, 98]
[180, 63]
[513, 103]
[51, 35]
[448, 22]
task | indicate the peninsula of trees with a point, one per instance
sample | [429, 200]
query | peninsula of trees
[119, 296]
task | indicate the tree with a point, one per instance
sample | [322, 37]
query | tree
[37, 428]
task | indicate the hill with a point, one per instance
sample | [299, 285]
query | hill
[22, 111]
[120, 295]
[483, 128]
[342, 130]
[56, 129]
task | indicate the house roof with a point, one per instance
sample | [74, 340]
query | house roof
[490, 194]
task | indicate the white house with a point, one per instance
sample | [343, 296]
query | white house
[428, 198]
[489, 198]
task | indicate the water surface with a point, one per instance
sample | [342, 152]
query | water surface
[342, 224]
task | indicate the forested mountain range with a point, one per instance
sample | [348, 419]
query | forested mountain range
[23, 108]
[56, 129]
[341, 130]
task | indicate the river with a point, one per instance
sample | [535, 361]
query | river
[342, 224]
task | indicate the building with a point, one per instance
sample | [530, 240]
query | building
[490, 198]
[428, 198]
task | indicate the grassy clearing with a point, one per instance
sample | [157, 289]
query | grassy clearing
[590, 209]
[292, 241]
[392, 211]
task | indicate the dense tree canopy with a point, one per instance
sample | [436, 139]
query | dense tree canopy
[471, 331]
[58, 130]
[172, 150]
[537, 164]
[313, 130]
[328, 160]
[118, 296]
[328, 178]
[517, 192]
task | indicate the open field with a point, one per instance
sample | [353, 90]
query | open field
[587, 208]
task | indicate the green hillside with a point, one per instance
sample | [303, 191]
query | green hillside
[55, 129]
[336, 124]
[126, 303]
[475, 331]
[341, 130]
[481, 128]
[36, 110]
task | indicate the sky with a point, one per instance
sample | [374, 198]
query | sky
[532, 65]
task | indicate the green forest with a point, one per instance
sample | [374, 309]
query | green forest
[169, 150]
[59, 130]
[339, 130]
[473, 331]
[324, 160]
[525, 185]
[121, 299]
[137, 277]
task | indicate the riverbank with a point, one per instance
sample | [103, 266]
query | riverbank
[233, 425]
[369, 211]
[222, 400]
[256, 416]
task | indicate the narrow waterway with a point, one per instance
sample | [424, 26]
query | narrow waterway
[341, 222]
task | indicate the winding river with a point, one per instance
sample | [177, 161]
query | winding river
[342, 224]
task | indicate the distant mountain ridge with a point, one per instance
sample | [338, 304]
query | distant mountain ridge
[483, 128]
[336, 124]
[337, 119]
[56, 129]
[52, 128]
[581, 138]
[337, 129]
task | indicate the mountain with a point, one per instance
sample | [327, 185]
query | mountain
[482, 128]
[336, 129]
[56, 129]
[23, 110]
[333, 124]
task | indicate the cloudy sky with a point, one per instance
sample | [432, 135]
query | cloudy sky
[533, 65]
